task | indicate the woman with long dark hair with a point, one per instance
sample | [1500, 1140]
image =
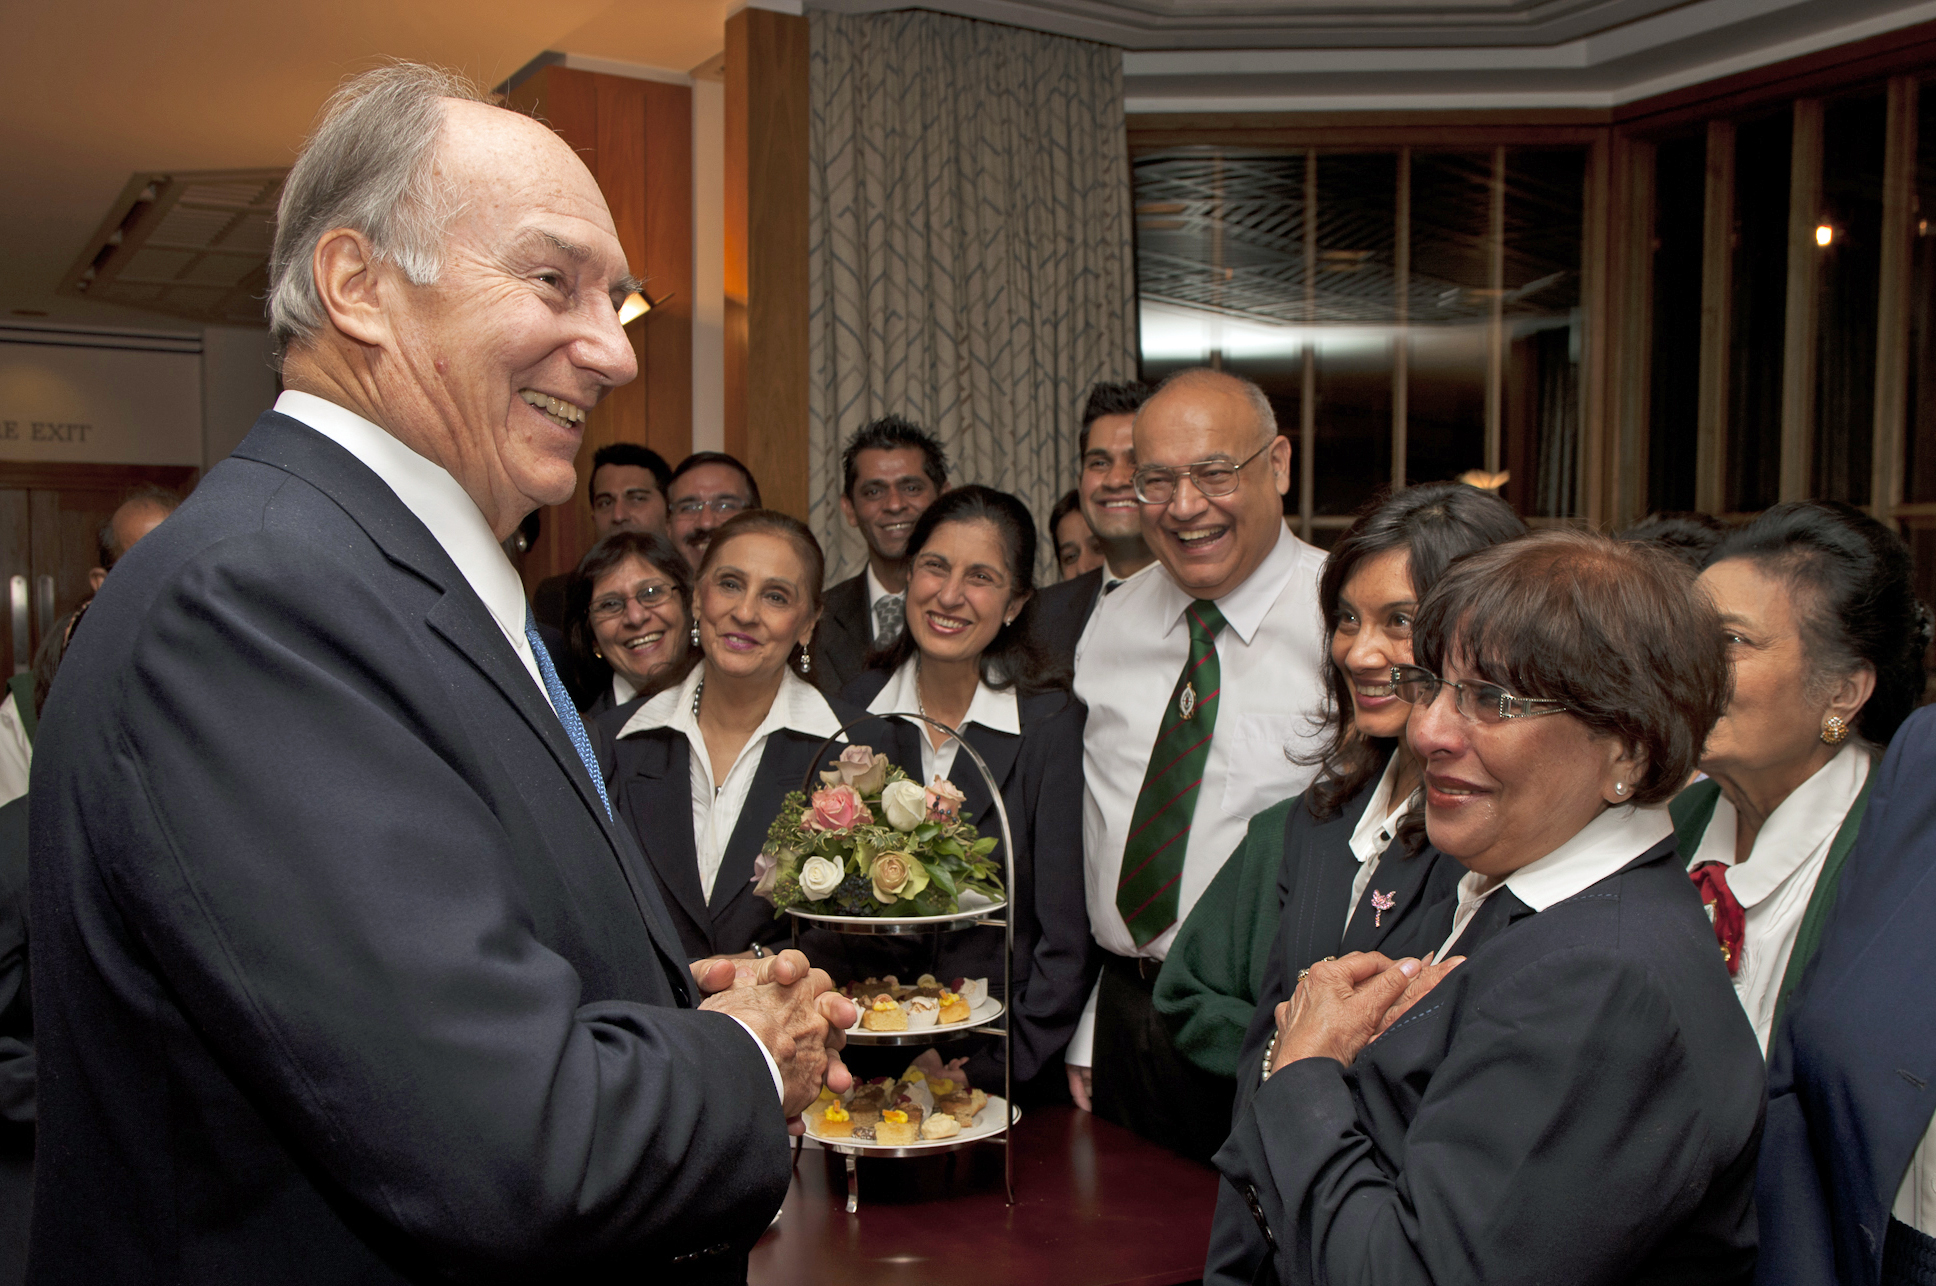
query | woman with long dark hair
[967, 659]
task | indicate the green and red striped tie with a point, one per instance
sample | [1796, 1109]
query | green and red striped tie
[1159, 831]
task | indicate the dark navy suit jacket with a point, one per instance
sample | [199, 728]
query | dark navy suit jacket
[1852, 1069]
[650, 781]
[1578, 1102]
[341, 972]
[1040, 773]
[844, 635]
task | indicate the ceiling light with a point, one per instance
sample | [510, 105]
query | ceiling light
[1824, 234]
[636, 305]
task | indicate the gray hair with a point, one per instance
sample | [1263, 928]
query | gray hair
[370, 166]
[1225, 381]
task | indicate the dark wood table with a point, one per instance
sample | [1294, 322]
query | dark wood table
[1094, 1206]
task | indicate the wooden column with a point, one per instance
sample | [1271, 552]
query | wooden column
[1600, 275]
[766, 252]
[636, 138]
[1717, 322]
[1804, 274]
[1892, 305]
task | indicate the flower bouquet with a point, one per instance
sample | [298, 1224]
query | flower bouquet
[872, 842]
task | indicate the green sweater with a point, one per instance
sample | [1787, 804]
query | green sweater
[1207, 991]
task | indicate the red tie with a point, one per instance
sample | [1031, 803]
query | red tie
[1730, 921]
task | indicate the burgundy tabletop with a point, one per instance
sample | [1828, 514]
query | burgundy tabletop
[1094, 1206]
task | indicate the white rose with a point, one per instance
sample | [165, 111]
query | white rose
[819, 877]
[905, 803]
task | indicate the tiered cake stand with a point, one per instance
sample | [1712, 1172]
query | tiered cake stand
[976, 913]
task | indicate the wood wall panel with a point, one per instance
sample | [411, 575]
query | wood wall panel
[624, 130]
[1798, 356]
[766, 252]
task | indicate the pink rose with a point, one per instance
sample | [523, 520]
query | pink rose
[766, 868]
[944, 801]
[837, 808]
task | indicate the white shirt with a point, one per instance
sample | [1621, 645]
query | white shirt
[996, 711]
[455, 522]
[1269, 714]
[1916, 1198]
[716, 806]
[623, 689]
[1375, 832]
[875, 593]
[428, 491]
[1774, 884]
[16, 752]
[1604, 845]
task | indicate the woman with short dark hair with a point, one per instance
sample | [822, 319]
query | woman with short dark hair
[1824, 633]
[1573, 1094]
[628, 619]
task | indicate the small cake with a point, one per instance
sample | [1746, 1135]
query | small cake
[953, 1008]
[940, 1087]
[883, 1014]
[922, 1012]
[940, 1127]
[963, 1105]
[894, 1127]
[912, 1106]
[836, 1123]
[826, 1096]
[972, 990]
[864, 1132]
[927, 980]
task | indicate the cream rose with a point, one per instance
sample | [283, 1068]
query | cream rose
[905, 803]
[897, 875]
[819, 877]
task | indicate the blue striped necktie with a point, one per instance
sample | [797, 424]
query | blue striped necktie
[567, 712]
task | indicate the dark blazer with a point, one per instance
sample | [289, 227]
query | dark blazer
[1578, 1102]
[1061, 612]
[341, 972]
[1313, 894]
[1852, 1069]
[1056, 961]
[17, 1060]
[649, 778]
[844, 635]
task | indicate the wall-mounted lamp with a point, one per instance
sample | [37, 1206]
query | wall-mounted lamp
[638, 304]
[1824, 234]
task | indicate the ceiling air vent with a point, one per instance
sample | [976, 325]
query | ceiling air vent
[192, 245]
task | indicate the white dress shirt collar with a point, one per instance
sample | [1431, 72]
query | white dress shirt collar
[1604, 845]
[998, 711]
[1801, 825]
[1379, 824]
[428, 491]
[797, 706]
[623, 689]
[1244, 607]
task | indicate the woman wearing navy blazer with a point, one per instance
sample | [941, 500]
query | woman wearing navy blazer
[699, 770]
[966, 658]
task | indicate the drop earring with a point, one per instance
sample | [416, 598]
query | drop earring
[806, 661]
[1835, 730]
[695, 633]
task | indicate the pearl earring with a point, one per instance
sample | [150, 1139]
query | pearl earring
[1620, 788]
[695, 633]
[806, 661]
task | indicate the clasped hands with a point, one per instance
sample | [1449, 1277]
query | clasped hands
[796, 1013]
[1342, 1005]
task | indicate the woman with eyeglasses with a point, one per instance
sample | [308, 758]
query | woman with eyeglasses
[628, 624]
[1564, 1089]
[967, 659]
[1344, 866]
[699, 771]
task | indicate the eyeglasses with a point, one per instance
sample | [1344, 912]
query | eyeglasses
[1479, 702]
[722, 505]
[607, 606]
[1156, 484]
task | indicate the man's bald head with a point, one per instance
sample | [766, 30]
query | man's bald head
[1211, 544]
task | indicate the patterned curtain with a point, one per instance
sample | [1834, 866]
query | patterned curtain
[971, 257]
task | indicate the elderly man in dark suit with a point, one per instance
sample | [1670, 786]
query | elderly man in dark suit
[342, 970]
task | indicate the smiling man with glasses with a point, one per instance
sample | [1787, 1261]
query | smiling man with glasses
[706, 489]
[1202, 677]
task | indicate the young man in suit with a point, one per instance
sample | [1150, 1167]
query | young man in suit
[893, 470]
[347, 973]
[1108, 501]
[628, 493]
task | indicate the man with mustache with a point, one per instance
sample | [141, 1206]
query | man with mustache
[1201, 677]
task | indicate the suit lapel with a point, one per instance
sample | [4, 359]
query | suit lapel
[999, 750]
[782, 766]
[1492, 919]
[663, 785]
